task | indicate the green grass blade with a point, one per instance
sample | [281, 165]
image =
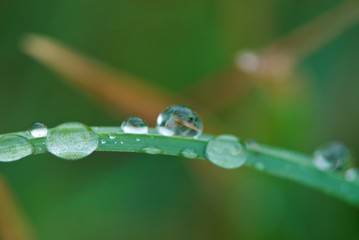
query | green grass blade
[274, 161]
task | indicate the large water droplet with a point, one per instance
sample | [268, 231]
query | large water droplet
[335, 156]
[226, 151]
[38, 130]
[152, 149]
[179, 121]
[189, 153]
[71, 141]
[134, 125]
[14, 147]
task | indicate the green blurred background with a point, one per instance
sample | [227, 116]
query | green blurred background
[176, 44]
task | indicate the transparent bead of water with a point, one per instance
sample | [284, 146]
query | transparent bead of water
[189, 153]
[14, 147]
[71, 141]
[332, 156]
[152, 149]
[38, 130]
[351, 174]
[179, 121]
[226, 151]
[134, 125]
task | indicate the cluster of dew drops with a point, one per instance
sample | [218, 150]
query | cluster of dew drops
[74, 140]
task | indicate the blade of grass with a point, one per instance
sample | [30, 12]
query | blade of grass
[275, 161]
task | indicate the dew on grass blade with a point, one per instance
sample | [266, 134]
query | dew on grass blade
[71, 141]
[14, 147]
[38, 130]
[351, 174]
[226, 151]
[179, 121]
[134, 125]
[332, 156]
[189, 153]
[152, 149]
[259, 166]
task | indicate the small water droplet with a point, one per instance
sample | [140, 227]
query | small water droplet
[14, 147]
[226, 151]
[138, 140]
[103, 141]
[259, 166]
[351, 174]
[115, 142]
[38, 130]
[248, 62]
[189, 153]
[71, 141]
[335, 156]
[112, 137]
[134, 125]
[152, 149]
[179, 121]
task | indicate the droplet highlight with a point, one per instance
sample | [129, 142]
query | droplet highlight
[189, 153]
[152, 149]
[226, 151]
[179, 120]
[38, 130]
[14, 147]
[134, 125]
[332, 156]
[71, 141]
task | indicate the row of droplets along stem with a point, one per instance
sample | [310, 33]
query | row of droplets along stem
[75, 140]
[331, 157]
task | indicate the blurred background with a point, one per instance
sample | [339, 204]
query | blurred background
[283, 72]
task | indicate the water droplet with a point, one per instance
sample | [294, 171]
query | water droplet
[189, 153]
[121, 142]
[152, 149]
[259, 166]
[138, 140]
[38, 130]
[103, 141]
[226, 151]
[112, 137]
[134, 125]
[335, 156]
[179, 121]
[71, 141]
[14, 147]
[351, 174]
[248, 62]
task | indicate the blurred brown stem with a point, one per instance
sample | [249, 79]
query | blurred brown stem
[116, 89]
[275, 63]
[13, 225]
